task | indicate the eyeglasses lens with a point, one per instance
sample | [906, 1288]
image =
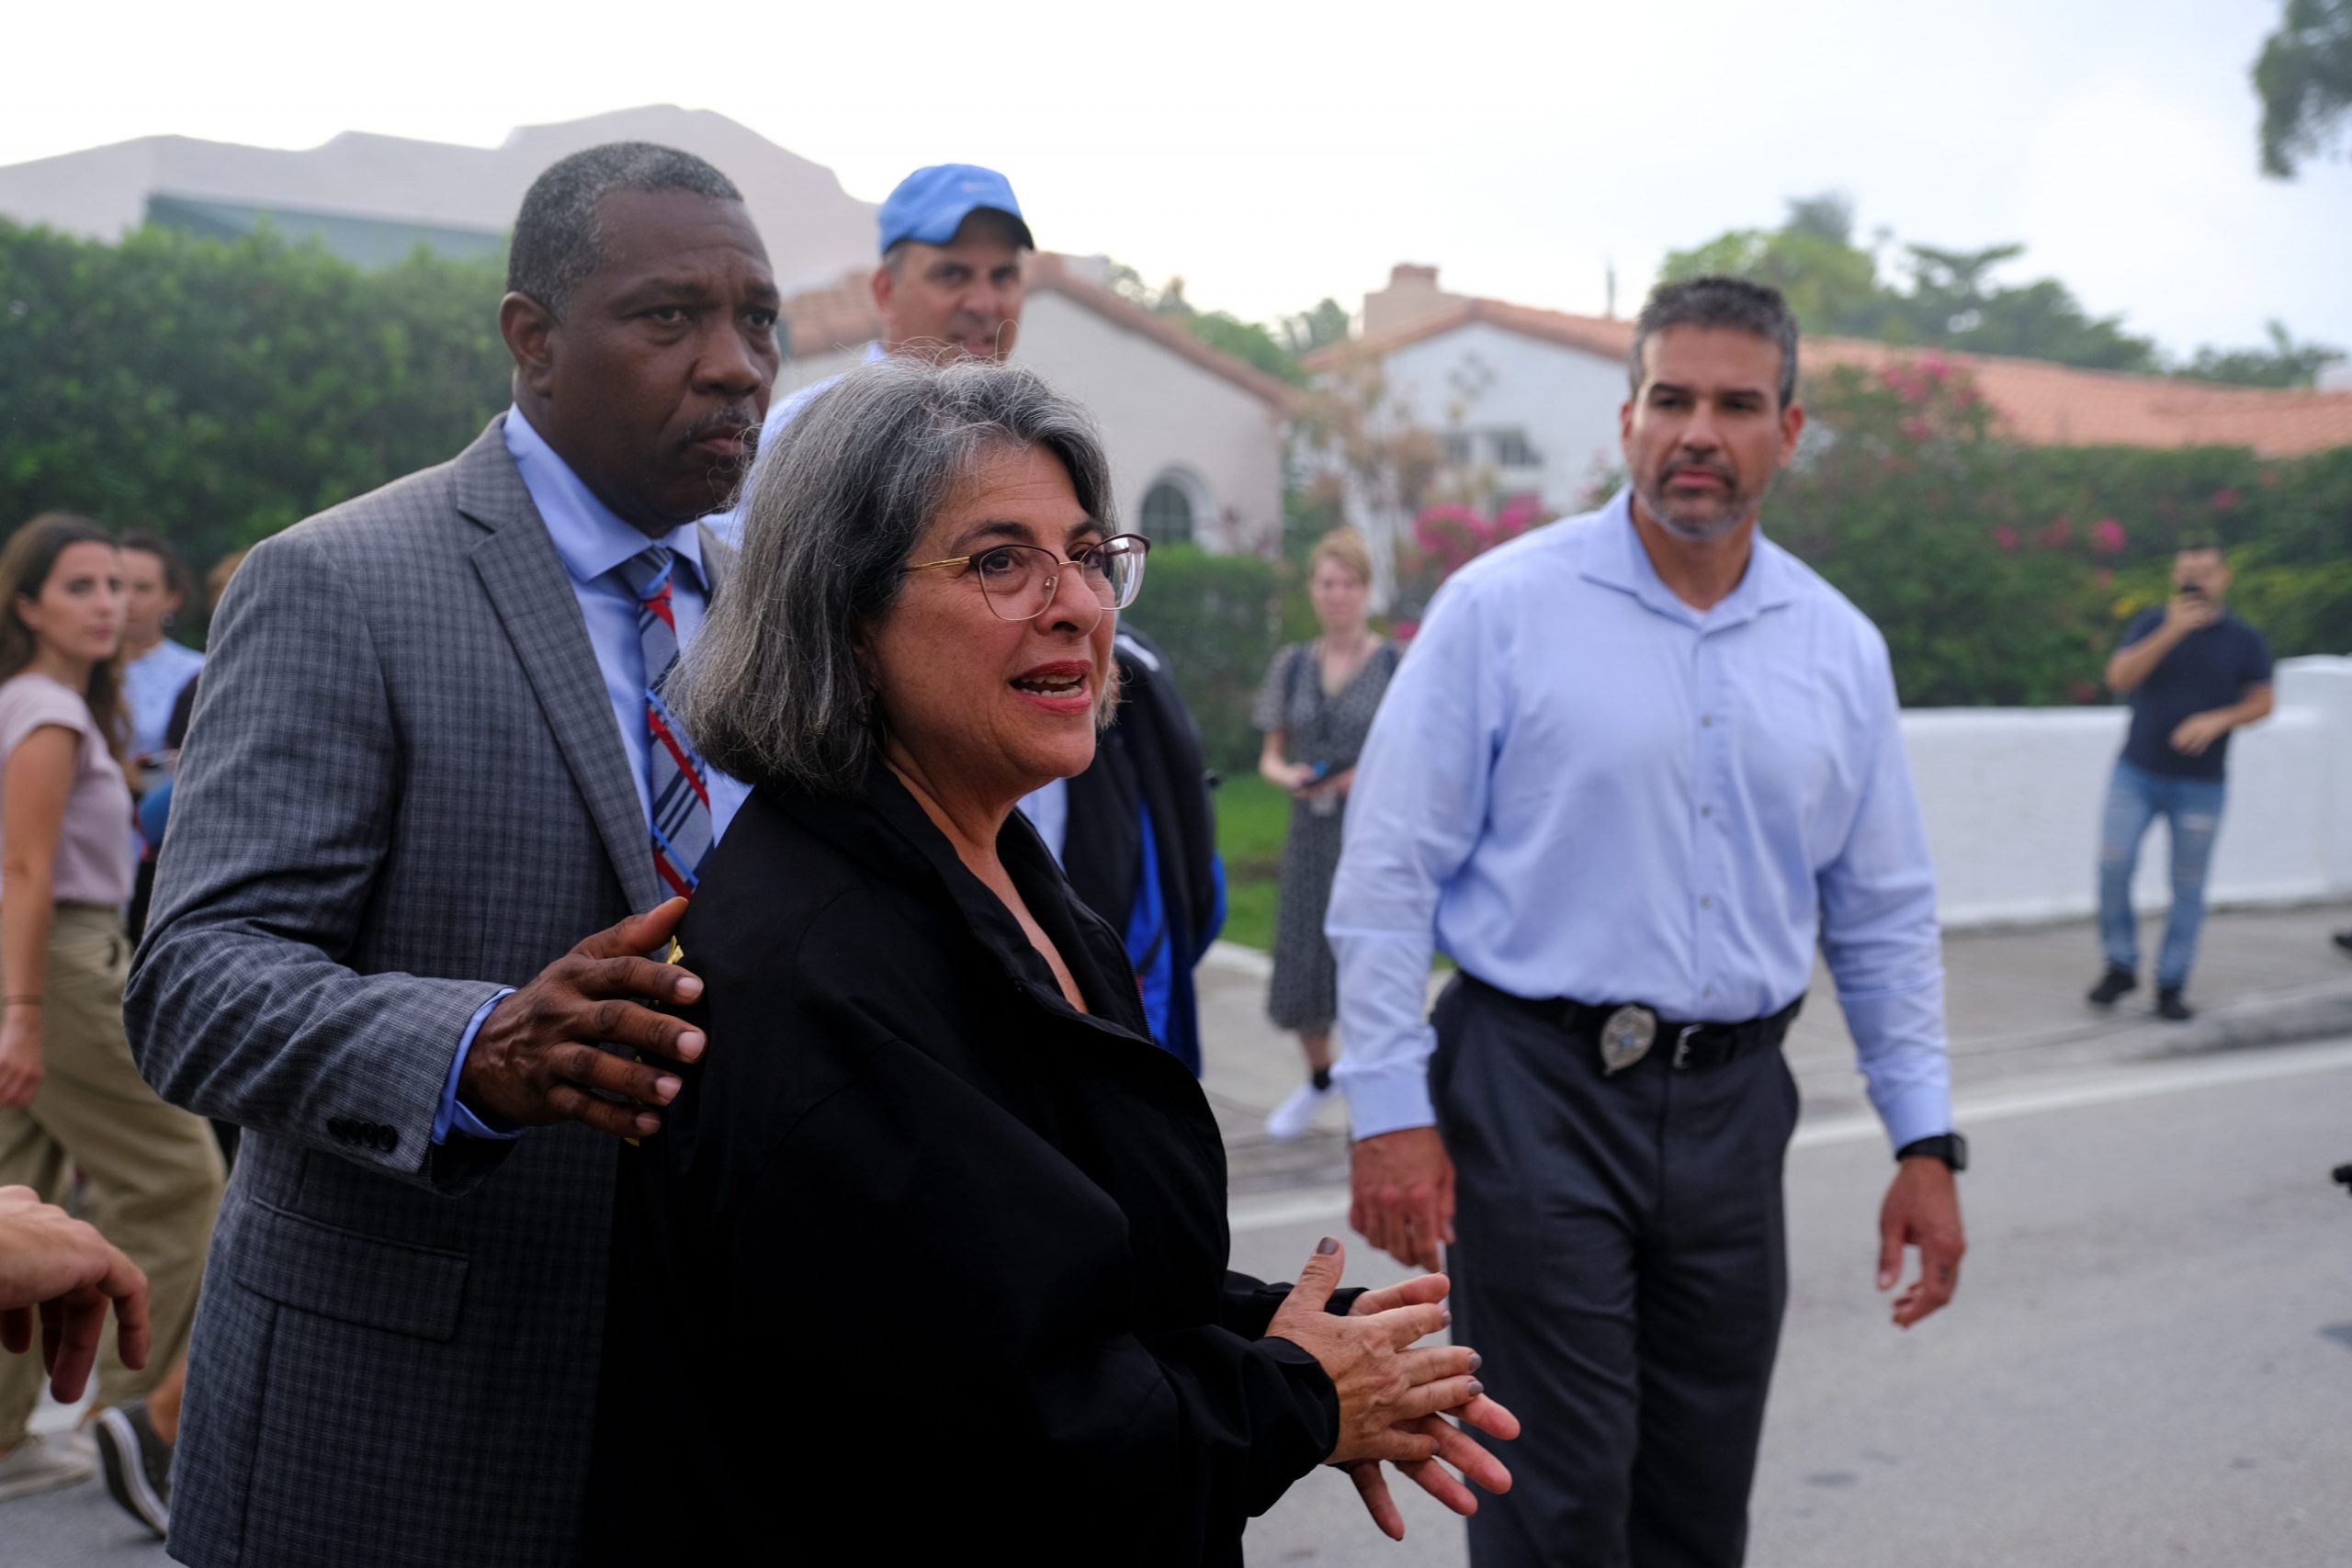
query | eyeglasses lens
[1020, 578]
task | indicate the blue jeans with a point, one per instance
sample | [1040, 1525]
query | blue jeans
[2192, 812]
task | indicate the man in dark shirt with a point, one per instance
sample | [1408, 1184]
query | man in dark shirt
[2193, 672]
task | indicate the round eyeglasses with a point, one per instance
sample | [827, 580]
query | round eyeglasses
[1019, 580]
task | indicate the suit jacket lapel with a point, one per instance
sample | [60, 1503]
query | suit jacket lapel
[532, 593]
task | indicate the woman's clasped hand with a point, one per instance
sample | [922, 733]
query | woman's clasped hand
[1395, 1393]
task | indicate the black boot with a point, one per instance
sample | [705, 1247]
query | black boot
[2111, 985]
[2170, 1006]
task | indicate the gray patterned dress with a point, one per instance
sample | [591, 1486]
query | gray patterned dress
[1320, 728]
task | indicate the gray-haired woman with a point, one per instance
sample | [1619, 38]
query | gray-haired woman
[951, 1222]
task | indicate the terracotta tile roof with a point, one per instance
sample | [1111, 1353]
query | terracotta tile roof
[2039, 403]
[842, 316]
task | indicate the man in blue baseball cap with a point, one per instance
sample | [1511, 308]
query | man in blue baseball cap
[950, 278]
[949, 282]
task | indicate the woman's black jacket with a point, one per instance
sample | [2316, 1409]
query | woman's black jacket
[925, 1260]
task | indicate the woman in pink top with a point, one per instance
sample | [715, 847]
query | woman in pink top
[70, 1093]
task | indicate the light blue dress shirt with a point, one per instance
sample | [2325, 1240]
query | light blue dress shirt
[592, 542]
[1048, 812]
[152, 684]
[1578, 786]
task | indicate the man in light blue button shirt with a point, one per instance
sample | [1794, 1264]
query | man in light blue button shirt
[1635, 767]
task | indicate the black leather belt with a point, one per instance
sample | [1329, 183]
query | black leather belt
[1684, 1046]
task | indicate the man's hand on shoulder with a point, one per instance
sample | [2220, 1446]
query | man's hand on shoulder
[1922, 1209]
[1403, 1195]
[539, 1052]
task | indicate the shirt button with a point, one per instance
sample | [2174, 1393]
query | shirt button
[1706, 900]
[1706, 721]
[1706, 811]
[1706, 990]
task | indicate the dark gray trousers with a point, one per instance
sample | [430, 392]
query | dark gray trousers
[1620, 1264]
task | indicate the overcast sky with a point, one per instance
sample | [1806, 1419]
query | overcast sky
[1273, 153]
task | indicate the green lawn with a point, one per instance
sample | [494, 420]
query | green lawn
[1252, 817]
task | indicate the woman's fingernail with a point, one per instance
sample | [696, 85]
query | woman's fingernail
[666, 1087]
[1476, 1360]
[1477, 1387]
[1327, 1246]
[1444, 1315]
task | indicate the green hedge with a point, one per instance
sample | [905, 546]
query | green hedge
[2002, 575]
[1215, 618]
[216, 392]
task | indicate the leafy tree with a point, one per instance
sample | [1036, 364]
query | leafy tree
[216, 392]
[1954, 303]
[1248, 341]
[2303, 77]
[2284, 363]
[1831, 284]
[1954, 299]
[1319, 328]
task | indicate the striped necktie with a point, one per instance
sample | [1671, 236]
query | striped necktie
[674, 774]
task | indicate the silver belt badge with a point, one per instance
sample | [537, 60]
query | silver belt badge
[1626, 1038]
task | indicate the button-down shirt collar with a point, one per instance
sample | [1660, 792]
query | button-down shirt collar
[1617, 559]
[588, 535]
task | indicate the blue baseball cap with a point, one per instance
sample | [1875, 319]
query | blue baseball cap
[931, 204]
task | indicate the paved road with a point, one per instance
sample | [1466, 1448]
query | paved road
[2150, 1362]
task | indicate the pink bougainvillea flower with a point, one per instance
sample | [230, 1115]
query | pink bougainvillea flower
[2106, 536]
[1915, 429]
[2059, 534]
[2006, 536]
[2225, 498]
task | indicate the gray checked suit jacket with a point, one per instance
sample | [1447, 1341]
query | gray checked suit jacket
[402, 790]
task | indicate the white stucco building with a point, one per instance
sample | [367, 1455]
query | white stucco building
[1195, 437]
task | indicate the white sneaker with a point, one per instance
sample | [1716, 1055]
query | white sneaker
[1294, 1115]
[41, 1464]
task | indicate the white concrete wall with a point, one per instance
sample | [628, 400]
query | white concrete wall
[1480, 377]
[1163, 413]
[2013, 797]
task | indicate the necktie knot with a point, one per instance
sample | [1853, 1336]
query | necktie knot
[647, 573]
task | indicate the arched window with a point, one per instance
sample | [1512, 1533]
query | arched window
[1168, 514]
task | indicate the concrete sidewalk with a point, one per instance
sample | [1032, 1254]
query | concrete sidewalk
[2014, 998]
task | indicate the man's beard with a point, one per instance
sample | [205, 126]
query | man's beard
[1737, 507]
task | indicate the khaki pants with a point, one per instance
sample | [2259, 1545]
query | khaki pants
[154, 1172]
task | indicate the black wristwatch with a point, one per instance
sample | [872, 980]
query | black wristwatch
[1948, 1147]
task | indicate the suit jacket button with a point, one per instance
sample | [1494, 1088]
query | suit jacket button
[340, 1127]
[386, 1137]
